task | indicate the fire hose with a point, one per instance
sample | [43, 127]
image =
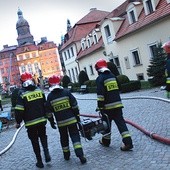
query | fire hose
[152, 135]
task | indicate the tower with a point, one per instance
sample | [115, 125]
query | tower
[23, 30]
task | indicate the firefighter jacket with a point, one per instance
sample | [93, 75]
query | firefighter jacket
[108, 96]
[30, 106]
[64, 106]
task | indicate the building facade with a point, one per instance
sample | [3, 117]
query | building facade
[41, 60]
[129, 35]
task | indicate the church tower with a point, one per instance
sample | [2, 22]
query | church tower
[23, 30]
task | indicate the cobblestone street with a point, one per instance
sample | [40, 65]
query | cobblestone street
[153, 115]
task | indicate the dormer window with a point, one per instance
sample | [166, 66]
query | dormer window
[88, 43]
[149, 6]
[83, 45]
[107, 33]
[132, 17]
[95, 39]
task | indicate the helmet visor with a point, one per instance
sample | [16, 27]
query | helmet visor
[27, 83]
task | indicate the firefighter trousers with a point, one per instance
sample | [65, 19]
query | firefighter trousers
[35, 133]
[116, 115]
[73, 132]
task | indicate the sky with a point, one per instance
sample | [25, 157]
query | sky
[46, 18]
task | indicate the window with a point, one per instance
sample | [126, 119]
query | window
[1, 63]
[76, 70]
[117, 61]
[91, 70]
[136, 58]
[33, 54]
[30, 68]
[72, 52]
[127, 62]
[36, 67]
[20, 57]
[88, 43]
[85, 69]
[140, 76]
[83, 45]
[68, 52]
[23, 69]
[65, 55]
[70, 75]
[107, 33]
[132, 17]
[152, 49]
[148, 6]
[72, 70]
[27, 56]
[95, 39]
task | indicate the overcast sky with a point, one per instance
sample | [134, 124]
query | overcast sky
[47, 18]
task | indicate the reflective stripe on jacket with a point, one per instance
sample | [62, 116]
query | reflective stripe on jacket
[108, 96]
[64, 106]
[30, 107]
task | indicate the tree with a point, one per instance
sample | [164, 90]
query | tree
[83, 77]
[65, 81]
[156, 69]
[112, 67]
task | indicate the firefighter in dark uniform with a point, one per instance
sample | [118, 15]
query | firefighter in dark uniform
[109, 103]
[166, 47]
[30, 108]
[63, 105]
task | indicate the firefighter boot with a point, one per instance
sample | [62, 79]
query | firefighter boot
[66, 155]
[36, 148]
[45, 148]
[127, 144]
[83, 160]
[105, 141]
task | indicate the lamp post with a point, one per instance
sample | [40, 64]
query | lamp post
[41, 79]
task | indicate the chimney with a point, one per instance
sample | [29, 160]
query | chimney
[43, 39]
[92, 9]
[5, 46]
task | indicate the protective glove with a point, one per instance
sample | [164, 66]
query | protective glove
[53, 125]
[17, 126]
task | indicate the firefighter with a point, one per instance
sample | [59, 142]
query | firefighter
[30, 108]
[166, 47]
[63, 105]
[109, 103]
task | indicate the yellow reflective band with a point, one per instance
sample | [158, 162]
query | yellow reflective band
[77, 146]
[113, 106]
[34, 122]
[33, 95]
[66, 123]
[19, 107]
[100, 99]
[125, 135]
[66, 149]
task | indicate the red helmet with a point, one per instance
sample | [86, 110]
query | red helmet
[54, 80]
[26, 76]
[101, 63]
[166, 47]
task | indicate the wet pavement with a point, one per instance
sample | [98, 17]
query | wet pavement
[151, 114]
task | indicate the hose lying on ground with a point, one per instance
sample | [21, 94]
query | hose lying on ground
[12, 142]
[150, 134]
